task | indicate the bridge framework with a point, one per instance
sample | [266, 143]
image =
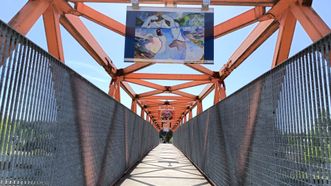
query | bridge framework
[282, 15]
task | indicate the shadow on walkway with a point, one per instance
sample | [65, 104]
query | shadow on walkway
[165, 165]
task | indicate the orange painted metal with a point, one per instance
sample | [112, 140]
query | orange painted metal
[134, 106]
[79, 31]
[285, 37]
[51, 19]
[261, 33]
[238, 22]
[135, 67]
[199, 107]
[23, 21]
[150, 93]
[100, 18]
[192, 2]
[282, 14]
[315, 27]
[145, 83]
[188, 85]
[194, 77]
[219, 92]
[200, 68]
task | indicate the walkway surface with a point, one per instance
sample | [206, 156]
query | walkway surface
[165, 165]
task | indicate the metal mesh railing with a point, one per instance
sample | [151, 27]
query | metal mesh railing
[58, 129]
[274, 131]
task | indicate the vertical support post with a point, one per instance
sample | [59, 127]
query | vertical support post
[142, 113]
[199, 106]
[190, 114]
[220, 93]
[285, 37]
[184, 118]
[114, 89]
[118, 91]
[51, 19]
[134, 105]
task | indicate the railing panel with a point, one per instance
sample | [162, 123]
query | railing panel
[274, 131]
[56, 128]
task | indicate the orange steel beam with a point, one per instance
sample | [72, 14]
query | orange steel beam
[201, 69]
[151, 104]
[142, 113]
[249, 17]
[219, 92]
[204, 93]
[147, 102]
[157, 107]
[184, 94]
[79, 31]
[315, 27]
[51, 19]
[165, 98]
[199, 107]
[150, 93]
[100, 18]
[278, 9]
[114, 89]
[127, 88]
[285, 37]
[134, 105]
[135, 67]
[191, 2]
[188, 85]
[193, 77]
[145, 83]
[23, 21]
[262, 32]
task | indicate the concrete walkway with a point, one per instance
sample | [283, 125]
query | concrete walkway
[165, 165]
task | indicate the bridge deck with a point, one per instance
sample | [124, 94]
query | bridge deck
[165, 165]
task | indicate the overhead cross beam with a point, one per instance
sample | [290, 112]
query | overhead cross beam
[154, 76]
[191, 2]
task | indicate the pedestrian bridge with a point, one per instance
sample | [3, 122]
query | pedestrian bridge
[56, 128]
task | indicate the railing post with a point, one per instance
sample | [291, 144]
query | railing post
[142, 113]
[219, 91]
[199, 106]
[114, 89]
[190, 114]
[134, 105]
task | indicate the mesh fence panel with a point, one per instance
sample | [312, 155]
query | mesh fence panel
[274, 131]
[56, 128]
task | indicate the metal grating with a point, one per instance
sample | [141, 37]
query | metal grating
[56, 128]
[274, 131]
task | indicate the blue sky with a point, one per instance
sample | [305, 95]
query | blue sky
[79, 60]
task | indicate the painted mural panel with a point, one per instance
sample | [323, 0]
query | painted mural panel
[169, 35]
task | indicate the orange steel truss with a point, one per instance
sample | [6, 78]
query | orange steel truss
[282, 15]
